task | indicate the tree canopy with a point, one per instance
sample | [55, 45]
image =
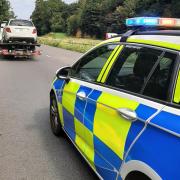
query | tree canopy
[5, 10]
[94, 18]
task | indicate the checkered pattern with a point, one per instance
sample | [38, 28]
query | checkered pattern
[80, 127]
[98, 131]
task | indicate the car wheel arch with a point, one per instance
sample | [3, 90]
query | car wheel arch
[52, 92]
[137, 175]
[135, 166]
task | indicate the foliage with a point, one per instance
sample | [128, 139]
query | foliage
[95, 18]
[73, 23]
[5, 10]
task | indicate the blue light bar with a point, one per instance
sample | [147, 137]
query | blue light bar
[143, 21]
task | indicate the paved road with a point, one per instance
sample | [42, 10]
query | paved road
[28, 150]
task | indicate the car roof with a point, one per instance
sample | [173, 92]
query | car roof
[166, 41]
[19, 19]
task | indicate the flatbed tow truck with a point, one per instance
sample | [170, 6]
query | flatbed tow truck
[19, 49]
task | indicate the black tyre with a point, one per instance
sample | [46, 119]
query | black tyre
[136, 175]
[54, 117]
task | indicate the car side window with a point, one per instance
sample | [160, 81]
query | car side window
[158, 85]
[90, 66]
[132, 68]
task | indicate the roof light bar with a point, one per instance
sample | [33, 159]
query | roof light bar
[167, 22]
[153, 21]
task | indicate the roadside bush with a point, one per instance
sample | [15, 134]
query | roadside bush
[73, 24]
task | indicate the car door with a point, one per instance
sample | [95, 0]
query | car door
[159, 141]
[116, 113]
[88, 69]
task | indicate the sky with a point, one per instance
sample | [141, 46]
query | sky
[24, 8]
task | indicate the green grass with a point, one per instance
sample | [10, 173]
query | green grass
[56, 35]
[61, 40]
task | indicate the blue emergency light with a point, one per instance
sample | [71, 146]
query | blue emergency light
[142, 21]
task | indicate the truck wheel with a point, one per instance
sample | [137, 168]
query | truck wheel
[55, 122]
[3, 40]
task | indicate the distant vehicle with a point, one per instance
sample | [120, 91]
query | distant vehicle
[18, 30]
[110, 35]
[18, 38]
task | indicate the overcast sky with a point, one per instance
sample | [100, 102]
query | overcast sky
[24, 8]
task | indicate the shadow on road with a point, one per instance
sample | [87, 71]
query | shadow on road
[67, 161]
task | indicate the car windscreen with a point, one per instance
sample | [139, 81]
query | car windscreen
[20, 23]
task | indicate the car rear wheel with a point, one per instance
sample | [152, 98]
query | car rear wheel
[54, 117]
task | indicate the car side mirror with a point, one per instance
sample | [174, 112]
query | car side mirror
[63, 73]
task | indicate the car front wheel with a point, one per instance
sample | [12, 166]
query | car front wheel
[54, 117]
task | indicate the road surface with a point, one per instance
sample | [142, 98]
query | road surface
[28, 149]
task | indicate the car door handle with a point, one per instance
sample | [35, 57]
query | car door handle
[81, 95]
[127, 114]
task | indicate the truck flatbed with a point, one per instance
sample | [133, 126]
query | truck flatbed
[19, 49]
[19, 43]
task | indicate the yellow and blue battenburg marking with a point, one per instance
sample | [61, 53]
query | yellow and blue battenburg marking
[68, 102]
[160, 145]
[80, 104]
[97, 129]
[91, 109]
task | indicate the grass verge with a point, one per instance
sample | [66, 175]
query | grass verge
[61, 40]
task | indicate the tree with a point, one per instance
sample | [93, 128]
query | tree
[91, 19]
[95, 18]
[5, 10]
[40, 17]
[58, 24]
[50, 15]
[73, 23]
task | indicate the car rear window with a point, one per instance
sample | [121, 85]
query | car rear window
[20, 23]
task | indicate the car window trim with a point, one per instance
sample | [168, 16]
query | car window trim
[152, 72]
[167, 103]
[115, 53]
[164, 50]
[124, 91]
[171, 89]
[88, 52]
[141, 45]
[138, 45]
[174, 79]
[124, 43]
[151, 46]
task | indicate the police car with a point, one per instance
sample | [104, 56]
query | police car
[120, 103]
